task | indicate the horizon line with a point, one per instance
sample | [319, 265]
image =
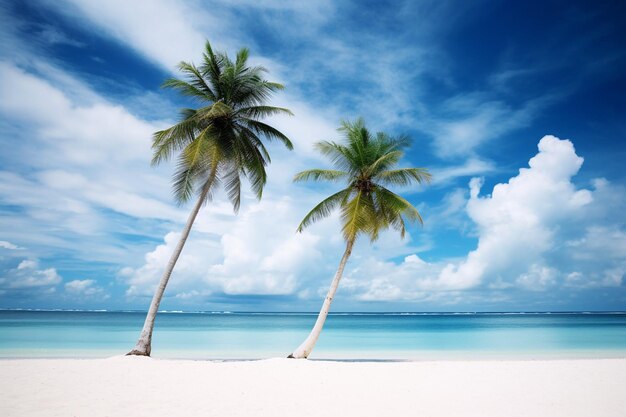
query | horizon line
[316, 312]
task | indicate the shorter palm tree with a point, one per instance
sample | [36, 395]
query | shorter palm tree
[368, 164]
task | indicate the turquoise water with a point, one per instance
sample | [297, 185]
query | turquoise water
[345, 336]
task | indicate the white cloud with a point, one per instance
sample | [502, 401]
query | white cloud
[258, 253]
[27, 264]
[450, 213]
[471, 120]
[538, 278]
[190, 23]
[262, 253]
[190, 268]
[53, 35]
[606, 241]
[27, 275]
[473, 166]
[92, 159]
[85, 288]
[141, 24]
[516, 223]
[376, 280]
[8, 245]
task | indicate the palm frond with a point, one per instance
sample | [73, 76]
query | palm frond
[253, 165]
[396, 205]
[323, 209]
[340, 156]
[242, 58]
[383, 161]
[256, 112]
[185, 89]
[232, 185]
[268, 131]
[255, 141]
[358, 215]
[168, 141]
[320, 174]
[404, 176]
[199, 87]
[250, 90]
[212, 67]
[192, 165]
[217, 110]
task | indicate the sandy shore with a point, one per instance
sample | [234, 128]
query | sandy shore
[131, 386]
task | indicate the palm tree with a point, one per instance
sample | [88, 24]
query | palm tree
[218, 143]
[368, 164]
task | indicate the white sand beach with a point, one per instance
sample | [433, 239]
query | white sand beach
[135, 386]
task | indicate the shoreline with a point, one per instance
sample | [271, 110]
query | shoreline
[357, 356]
[142, 386]
[330, 360]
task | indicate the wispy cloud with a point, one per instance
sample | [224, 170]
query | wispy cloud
[470, 120]
[8, 245]
[471, 167]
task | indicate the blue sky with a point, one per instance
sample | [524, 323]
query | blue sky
[517, 108]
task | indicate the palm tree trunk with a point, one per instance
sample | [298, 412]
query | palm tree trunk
[303, 351]
[144, 344]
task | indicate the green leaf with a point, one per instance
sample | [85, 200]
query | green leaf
[323, 209]
[320, 174]
[404, 176]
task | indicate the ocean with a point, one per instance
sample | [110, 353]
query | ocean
[354, 336]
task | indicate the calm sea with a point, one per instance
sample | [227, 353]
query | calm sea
[225, 335]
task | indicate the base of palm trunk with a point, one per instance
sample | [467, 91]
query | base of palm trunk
[136, 352]
[296, 355]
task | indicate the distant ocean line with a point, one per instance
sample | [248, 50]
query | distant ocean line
[348, 335]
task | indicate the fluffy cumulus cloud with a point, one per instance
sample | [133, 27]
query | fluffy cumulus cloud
[259, 253]
[28, 279]
[531, 236]
[518, 222]
[29, 282]
[263, 254]
[191, 266]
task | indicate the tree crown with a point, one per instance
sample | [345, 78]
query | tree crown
[368, 164]
[220, 141]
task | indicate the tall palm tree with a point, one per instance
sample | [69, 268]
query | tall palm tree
[217, 143]
[368, 164]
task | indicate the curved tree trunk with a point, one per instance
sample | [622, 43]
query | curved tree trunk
[144, 344]
[303, 351]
